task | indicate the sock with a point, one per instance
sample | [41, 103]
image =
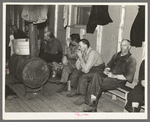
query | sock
[69, 86]
[93, 98]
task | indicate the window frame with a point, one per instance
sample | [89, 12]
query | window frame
[75, 7]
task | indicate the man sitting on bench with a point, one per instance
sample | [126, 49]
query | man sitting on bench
[119, 70]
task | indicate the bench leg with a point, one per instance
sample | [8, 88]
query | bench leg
[126, 94]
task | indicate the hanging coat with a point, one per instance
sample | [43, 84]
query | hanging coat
[99, 16]
[137, 35]
[66, 15]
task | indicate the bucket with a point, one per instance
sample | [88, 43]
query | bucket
[21, 46]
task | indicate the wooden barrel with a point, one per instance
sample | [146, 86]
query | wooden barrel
[21, 46]
[13, 62]
[18, 61]
[33, 72]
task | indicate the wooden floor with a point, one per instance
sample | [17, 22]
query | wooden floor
[54, 102]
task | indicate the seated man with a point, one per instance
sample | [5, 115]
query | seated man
[17, 33]
[69, 59]
[137, 94]
[88, 63]
[51, 48]
[119, 70]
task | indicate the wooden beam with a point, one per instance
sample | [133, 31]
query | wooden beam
[56, 20]
[69, 22]
[18, 19]
[121, 26]
[82, 33]
[99, 38]
[12, 14]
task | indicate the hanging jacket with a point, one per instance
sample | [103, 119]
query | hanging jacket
[137, 35]
[99, 16]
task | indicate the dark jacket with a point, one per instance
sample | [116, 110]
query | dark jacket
[54, 46]
[99, 16]
[125, 65]
[19, 35]
[137, 35]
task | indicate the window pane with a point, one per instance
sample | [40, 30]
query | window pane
[83, 15]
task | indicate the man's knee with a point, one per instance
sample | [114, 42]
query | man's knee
[83, 78]
[110, 84]
[67, 69]
[75, 73]
[108, 80]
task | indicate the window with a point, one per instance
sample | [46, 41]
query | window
[82, 14]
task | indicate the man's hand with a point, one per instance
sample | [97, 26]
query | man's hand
[119, 77]
[78, 66]
[111, 75]
[64, 60]
[79, 54]
[68, 42]
[106, 71]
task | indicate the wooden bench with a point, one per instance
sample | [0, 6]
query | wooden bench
[121, 93]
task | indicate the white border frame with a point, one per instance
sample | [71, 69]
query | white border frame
[71, 115]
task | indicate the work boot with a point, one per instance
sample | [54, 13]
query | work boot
[72, 93]
[91, 108]
[62, 88]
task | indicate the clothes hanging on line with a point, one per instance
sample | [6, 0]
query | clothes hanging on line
[35, 13]
[66, 15]
[99, 16]
[137, 35]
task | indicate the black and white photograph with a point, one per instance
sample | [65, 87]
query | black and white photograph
[74, 60]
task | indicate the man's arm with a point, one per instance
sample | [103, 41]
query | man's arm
[120, 77]
[90, 61]
[70, 55]
[60, 47]
[78, 66]
[53, 47]
[130, 71]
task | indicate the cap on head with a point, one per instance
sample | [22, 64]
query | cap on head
[75, 37]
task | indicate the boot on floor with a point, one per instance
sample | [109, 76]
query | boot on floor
[72, 93]
[91, 108]
[62, 88]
